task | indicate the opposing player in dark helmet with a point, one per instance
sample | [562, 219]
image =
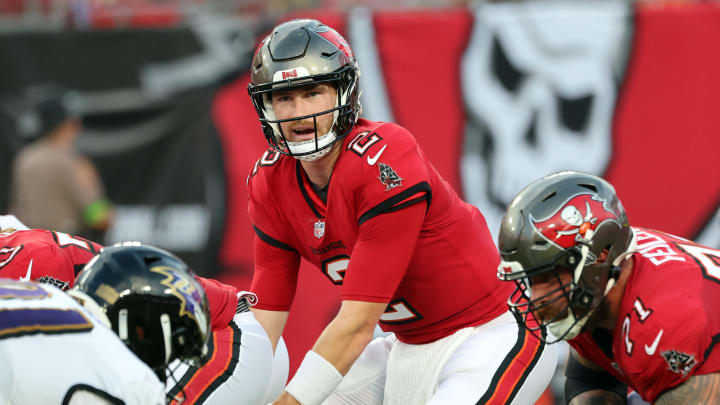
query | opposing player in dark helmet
[637, 306]
[564, 221]
[342, 192]
[295, 54]
[150, 299]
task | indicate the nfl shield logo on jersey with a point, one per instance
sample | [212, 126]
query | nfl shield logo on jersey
[319, 229]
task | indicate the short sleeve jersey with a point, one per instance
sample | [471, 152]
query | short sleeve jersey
[51, 347]
[450, 282]
[49, 257]
[667, 325]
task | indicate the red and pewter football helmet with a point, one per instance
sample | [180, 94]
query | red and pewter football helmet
[298, 53]
[563, 221]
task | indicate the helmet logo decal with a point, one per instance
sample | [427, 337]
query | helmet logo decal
[572, 221]
[179, 286]
[300, 71]
[336, 39]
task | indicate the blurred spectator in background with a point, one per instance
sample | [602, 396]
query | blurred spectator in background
[53, 185]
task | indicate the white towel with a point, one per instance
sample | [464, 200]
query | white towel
[413, 370]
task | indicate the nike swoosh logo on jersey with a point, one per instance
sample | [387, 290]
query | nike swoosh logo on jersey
[29, 272]
[373, 160]
[650, 350]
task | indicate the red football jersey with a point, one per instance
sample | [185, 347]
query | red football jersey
[56, 257]
[451, 280]
[668, 323]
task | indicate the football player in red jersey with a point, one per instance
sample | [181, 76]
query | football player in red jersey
[46, 256]
[360, 200]
[240, 363]
[637, 306]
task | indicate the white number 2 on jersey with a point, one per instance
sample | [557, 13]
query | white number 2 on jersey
[397, 312]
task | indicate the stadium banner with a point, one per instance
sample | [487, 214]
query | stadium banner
[146, 99]
[505, 93]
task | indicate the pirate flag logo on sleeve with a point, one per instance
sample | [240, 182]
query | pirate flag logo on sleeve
[389, 177]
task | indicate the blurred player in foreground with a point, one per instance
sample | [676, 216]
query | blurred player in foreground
[64, 348]
[360, 201]
[239, 366]
[638, 307]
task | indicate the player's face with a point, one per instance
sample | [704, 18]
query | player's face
[551, 290]
[304, 101]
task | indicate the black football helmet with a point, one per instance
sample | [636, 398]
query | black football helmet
[563, 221]
[151, 300]
[295, 54]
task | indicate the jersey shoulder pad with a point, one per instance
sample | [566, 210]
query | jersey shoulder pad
[264, 172]
[369, 140]
[270, 159]
[385, 170]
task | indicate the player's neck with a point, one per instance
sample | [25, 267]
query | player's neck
[615, 295]
[319, 171]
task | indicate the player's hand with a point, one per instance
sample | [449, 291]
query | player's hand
[286, 399]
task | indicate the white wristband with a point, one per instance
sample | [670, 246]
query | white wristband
[314, 380]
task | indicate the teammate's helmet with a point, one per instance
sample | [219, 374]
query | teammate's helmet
[565, 220]
[295, 54]
[152, 301]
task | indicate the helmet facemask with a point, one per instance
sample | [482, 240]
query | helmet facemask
[152, 330]
[578, 298]
[344, 114]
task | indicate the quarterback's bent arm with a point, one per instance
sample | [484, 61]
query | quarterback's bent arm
[588, 384]
[697, 390]
[274, 282]
[345, 338]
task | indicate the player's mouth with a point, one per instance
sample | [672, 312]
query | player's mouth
[302, 133]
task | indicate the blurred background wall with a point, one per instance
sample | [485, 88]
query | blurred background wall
[497, 93]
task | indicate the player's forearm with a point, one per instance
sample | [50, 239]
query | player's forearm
[699, 389]
[343, 341]
[337, 348]
[597, 397]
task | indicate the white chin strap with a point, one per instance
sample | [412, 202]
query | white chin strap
[309, 146]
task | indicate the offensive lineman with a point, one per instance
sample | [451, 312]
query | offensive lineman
[638, 307]
[360, 201]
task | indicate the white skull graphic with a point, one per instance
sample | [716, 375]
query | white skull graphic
[540, 85]
[572, 215]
